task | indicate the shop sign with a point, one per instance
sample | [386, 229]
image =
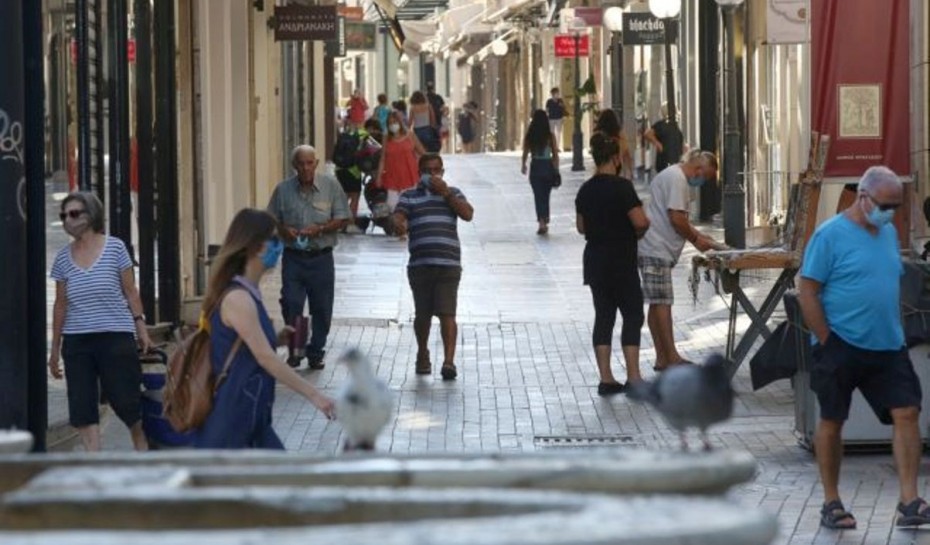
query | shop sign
[361, 36]
[591, 16]
[305, 23]
[565, 45]
[337, 47]
[351, 13]
[646, 29]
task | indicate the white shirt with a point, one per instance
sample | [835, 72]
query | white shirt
[668, 191]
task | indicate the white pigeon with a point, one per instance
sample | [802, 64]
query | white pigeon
[364, 404]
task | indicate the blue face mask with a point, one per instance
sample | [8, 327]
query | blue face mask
[302, 242]
[696, 181]
[273, 250]
[878, 217]
[426, 180]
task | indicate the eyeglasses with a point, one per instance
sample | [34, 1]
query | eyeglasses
[883, 206]
[73, 214]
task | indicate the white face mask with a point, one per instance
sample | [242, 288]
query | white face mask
[394, 128]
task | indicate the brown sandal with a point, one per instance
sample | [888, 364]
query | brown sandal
[448, 371]
[424, 366]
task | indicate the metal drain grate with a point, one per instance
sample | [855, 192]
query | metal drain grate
[585, 441]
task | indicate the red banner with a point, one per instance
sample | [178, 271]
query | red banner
[860, 90]
[565, 45]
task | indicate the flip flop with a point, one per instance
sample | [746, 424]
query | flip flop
[835, 517]
[912, 514]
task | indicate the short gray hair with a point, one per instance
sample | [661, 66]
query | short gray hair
[702, 156]
[301, 149]
[92, 206]
[876, 177]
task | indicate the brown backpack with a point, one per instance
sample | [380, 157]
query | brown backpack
[190, 383]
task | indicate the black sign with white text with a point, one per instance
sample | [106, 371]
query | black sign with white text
[646, 29]
[305, 23]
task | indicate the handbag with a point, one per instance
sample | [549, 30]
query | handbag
[556, 180]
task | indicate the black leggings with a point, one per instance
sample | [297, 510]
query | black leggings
[628, 298]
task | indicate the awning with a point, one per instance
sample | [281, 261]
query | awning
[482, 54]
[515, 9]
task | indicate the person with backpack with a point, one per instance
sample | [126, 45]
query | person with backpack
[242, 338]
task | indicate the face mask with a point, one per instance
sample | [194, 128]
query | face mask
[302, 242]
[273, 250]
[878, 217]
[76, 228]
[394, 127]
[696, 181]
[426, 180]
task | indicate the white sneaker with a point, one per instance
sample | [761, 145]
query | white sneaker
[353, 230]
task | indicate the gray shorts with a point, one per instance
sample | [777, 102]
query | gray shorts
[656, 276]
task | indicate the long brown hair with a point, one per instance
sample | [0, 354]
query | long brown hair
[249, 230]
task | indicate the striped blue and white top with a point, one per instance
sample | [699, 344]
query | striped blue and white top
[432, 226]
[96, 303]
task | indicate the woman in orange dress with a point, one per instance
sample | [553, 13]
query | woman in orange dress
[398, 170]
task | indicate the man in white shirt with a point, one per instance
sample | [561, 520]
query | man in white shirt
[661, 247]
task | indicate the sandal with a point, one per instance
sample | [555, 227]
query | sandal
[448, 371]
[835, 517]
[424, 366]
[915, 513]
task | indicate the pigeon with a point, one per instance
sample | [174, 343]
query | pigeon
[689, 396]
[364, 404]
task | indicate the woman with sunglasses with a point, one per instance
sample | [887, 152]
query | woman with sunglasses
[96, 322]
[235, 316]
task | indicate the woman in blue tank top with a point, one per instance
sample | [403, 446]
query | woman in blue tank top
[233, 309]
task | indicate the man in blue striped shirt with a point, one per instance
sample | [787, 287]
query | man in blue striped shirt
[430, 212]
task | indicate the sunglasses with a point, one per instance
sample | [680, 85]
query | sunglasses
[73, 214]
[881, 206]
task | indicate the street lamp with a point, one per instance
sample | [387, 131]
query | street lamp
[734, 194]
[577, 138]
[667, 10]
[613, 21]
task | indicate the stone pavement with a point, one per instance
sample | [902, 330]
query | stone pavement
[527, 373]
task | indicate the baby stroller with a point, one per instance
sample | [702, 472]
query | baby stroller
[376, 199]
[157, 429]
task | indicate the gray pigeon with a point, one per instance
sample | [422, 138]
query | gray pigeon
[689, 396]
[364, 404]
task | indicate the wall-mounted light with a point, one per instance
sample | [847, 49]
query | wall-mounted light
[664, 9]
[499, 47]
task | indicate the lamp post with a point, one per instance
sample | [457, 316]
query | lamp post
[613, 21]
[734, 194]
[577, 137]
[668, 10]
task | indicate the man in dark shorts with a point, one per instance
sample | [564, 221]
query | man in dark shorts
[432, 210]
[850, 298]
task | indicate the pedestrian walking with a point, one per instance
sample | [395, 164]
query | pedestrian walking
[381, 111]
[400, 106]
[851, 301]
[431, 212]
[436, 103]
[661, 247]
[667, 139]
[539, 144]
[424, 122]
[609, 124]
[610, 216]
[555, 109]
[398, 169]
[311, 208]
[357, 109]
[467, 124]
[97, 321]
[235, 316]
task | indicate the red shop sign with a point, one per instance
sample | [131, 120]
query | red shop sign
[565, 45]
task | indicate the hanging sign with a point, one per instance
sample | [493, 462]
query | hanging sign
[361, 36]
[305, 23]
[646, 29]
[565, 45]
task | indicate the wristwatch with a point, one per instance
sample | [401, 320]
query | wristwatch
[138, 317]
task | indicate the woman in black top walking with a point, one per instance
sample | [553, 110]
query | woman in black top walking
[544, 167]
[610, 216]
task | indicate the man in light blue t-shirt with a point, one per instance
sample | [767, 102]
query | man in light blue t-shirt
[850, 298]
